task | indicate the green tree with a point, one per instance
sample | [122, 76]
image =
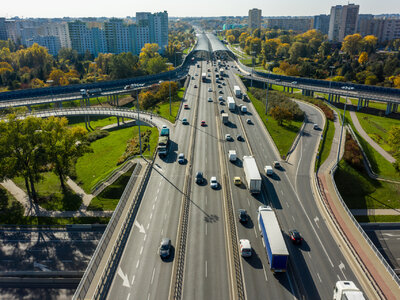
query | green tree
[63, 146]
[297, 50]
[156, 65]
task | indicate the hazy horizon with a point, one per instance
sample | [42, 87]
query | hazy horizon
[180, 8]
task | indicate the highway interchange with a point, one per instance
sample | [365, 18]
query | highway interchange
[314, 267]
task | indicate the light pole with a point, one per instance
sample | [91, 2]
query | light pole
[169, 90]
[330, 83]
[266, 97]
[138, 115]
[175, 56]
[252, 62]
[347, 88]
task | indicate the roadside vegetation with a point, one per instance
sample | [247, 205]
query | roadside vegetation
[310, 54]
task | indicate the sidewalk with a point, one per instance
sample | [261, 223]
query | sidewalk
[361, 256]
[376, 212]
[366, 137]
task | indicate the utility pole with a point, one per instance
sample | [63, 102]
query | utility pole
[138, 115]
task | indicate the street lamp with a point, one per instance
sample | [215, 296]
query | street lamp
[138, 115]
[169, 90]
[347, 88]
[175, 56]
[266, 97]
[252, 62]
[330, 83]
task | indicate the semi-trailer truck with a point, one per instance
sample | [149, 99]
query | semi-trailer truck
[163, 141]
[272, 239]
[231, 103]
[347, 290]
[237, 91]
[253, 177]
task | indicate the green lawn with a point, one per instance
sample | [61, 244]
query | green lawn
[95, 166]
[377, 127]
[283, 136]
[109, 198]
[163, 108]
[378, 219]
[360, 191]
[50, 193]
[326, 144]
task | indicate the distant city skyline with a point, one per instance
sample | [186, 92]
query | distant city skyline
[181, 8]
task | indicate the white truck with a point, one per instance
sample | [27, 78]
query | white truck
[221, 72]
[253, 177]
[347, 290]
[237, 91]
[231, 103]
[232, 155]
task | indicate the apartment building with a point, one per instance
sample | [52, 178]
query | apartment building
[300, 24]
[343, 21]
[321, 23]
[384, 29]
[254, 21]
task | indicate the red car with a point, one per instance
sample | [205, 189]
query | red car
[186, 106]
[203, 123]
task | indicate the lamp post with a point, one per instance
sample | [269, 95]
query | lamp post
[266, 97]
[330, 83]
[175, 56]
[169, 89]
[347, 88]
[138, 115]
[252, 63]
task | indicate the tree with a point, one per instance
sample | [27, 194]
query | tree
[281, 114]
[63, 146]
[21, 151]
[297, 50]
[146, 99]
[369, 43]
[230, 38]
[58, 77]
[352, 44]
[363, 58]
[156, 65]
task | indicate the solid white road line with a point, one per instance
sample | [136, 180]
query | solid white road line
[206, 269]
[319, 277]
[265, 274]
[152, 276]
[255, 231]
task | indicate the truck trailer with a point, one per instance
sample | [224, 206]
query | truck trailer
[253, 177]
[237, 91]
[272, 239]
[347, 290]
[231, 103]
[163, 141]
[203, 77]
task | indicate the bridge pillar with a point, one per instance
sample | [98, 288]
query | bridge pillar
[366, 103]
[29, 108]
[118, 121]
[291, 90]
[118, 101]
[329, 97]
[394, 107]
[388, 108]
[359, 103]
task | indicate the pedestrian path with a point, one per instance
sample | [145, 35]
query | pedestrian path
[366, 137]
[376, 212]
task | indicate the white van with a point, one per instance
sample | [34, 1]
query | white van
[268, 170]
[245, 248]
[243, 108]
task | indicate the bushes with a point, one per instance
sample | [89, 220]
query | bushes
[96, 135]
[352, 153]
[133, 147]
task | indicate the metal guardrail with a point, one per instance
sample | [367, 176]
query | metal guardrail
[93, 265]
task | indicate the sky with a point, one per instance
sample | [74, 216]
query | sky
[184, 8]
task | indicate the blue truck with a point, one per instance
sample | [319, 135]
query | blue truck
[273, 240]
[163, 141]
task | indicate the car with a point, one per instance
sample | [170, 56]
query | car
[223, 83]
[165, 248]
[209, 75]
[186, 106]
[243, 216]
[221, 92]
[268, 170]
[199, 179]
[277, 164]
[196, 74]
[248, 121]
[185, 121]
[277, 80]
[245, 248]
[237, 180]
[192, 77]
[239, 137]
[195, 86]
[210, 89]
[228, 137]
[222, 111]
[209, 99]
[316, 127]
[295, 236]
[221, 103]
[220, 98]
[294, 82]
[213, 182]
[164, 126]
[220, 86]
[127, 87]
[181, 158]
[203, 123]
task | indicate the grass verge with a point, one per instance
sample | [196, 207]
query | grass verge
[50, 193]
[377, 219]
[163, 108]
[326, 143]
[109, 198]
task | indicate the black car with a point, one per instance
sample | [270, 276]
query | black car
[295, 236]
[199, 178]
[222, 111]
[243, 216]
[239, 138]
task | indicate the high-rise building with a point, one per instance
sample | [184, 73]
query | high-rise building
[321, 23]
[85, 39]
[119, 37]
[300, 24]
[57, 29]
[385, 29]
[3, 30]
[343, 21]
[157, 31]
[52, 43]
[254, 18]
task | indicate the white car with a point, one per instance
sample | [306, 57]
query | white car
[181, 158]
[268, 170]
[228, 137]
[213, 182]
[245, 248]
[210, 89]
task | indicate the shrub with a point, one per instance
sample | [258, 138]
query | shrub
[352, 153]
[96, 135]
